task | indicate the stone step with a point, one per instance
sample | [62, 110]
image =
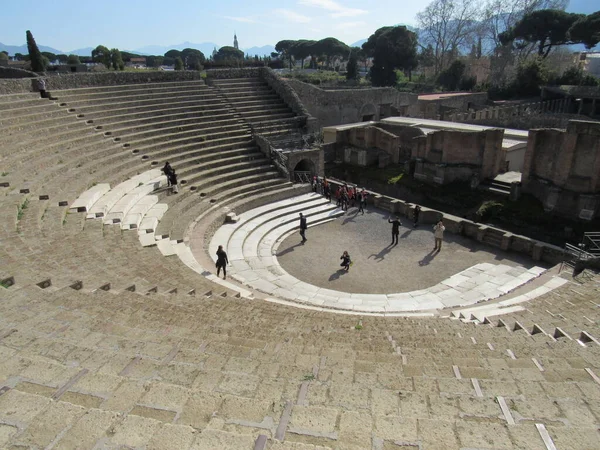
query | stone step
[126, 87]
[118, 212]
[101, 207]
[85, 201]
[134, 216]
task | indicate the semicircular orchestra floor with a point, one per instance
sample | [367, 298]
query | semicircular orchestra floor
[266, 254]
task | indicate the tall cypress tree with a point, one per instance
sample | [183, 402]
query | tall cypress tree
[35, 56]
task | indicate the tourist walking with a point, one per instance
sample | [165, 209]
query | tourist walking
[42, 87]
[438, 234]
[344, 198]
[222, 261]
[395, 229]
[346, 261]
[338, 196]
[167, 170]
[327, 190]
[362, 201]
[416, 214]
[303, 227]
[173, 181]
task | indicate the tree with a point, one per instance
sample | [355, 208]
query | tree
[63, 59]
[575, 76]
[586, 30]
[154, 61]
[178, 63]
[101, 54]
[284, 50]
[73, 60]
[531, 74]
[172, 54]
[3, 56]
[19, 57]
[302, 49]
[502, 15]
[451, 77]
[448, 26]
[391, 48]
[51, 56]
[352, 67]
[546, 29]
[330, 48]
[36, 58]
[231, 55]
[192, 58]
[117, 59]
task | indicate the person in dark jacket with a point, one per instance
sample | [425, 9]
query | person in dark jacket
[167, 170]
[222, 261]
[303, 227]
[416, 214]
[395, 229]
[346, 261]
[173, 181]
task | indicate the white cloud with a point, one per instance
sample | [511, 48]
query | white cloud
[292, 16]
[337, 10]
[240, 19]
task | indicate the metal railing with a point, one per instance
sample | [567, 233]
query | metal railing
[302, 177]
[589, 248]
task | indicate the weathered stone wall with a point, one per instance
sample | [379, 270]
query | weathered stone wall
[371, 137]
[480, 150]
[440, 108]
[348, 106]
[562, 168]
[315, 156]
[15, 72]
[233, 72]
[17, 85]
[90, 79]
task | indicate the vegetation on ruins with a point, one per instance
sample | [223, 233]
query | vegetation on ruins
[37, 60]
[352, 67]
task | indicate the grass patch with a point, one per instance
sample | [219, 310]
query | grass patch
[21, 209]
[5, 284]
[309, 377]
[4, 174]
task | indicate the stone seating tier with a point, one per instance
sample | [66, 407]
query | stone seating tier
[105, 343]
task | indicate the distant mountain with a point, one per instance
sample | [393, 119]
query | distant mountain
[265, 50]
[12, 49]
[359, 43]
[204, 47]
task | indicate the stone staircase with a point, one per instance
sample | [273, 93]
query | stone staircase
[497, 187]
[256, 102]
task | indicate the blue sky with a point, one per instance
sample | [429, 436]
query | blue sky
[130, 24]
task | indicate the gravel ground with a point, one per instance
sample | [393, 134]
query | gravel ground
[379, 267]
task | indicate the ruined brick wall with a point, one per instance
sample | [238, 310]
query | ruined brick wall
[343, 106]
[372, 137]
[562, 168]
[471, 148]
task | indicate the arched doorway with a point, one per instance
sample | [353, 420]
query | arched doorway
[304, 171]
[367, 113]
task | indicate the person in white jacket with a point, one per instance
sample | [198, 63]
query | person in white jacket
[438, 234]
